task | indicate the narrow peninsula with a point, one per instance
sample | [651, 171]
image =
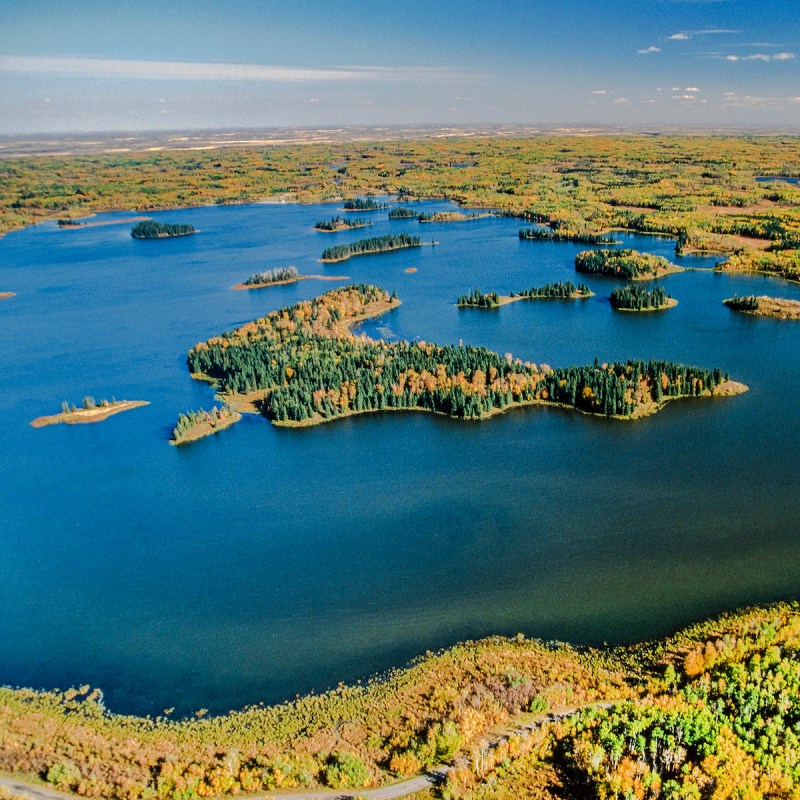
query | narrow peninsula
[6, 295]
[302, 365]
[150, 229]
[90, 412]
[764, 306]
[451, 216]
[637, 298]
[282, 276]
[195, 425]
[629, 264]
[363, 247]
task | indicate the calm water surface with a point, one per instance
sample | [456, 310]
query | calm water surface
[260, 563]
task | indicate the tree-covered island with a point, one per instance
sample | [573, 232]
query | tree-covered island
[149, 229]
[402, 212]
[282, 276]
[638, 298]
[376, 244]
[764, 306]
[363, 204]
[629, 264]
[337, 223]
[550, 291]
[303, 365]
[451, 216]
[89, 411]
[195, 425]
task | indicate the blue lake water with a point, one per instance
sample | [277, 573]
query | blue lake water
[260, 562]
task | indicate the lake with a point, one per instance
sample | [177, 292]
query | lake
[262, 562]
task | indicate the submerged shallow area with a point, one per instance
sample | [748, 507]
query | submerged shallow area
[266, 562]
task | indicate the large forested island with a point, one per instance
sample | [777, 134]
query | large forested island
[302, 365]
[563, 290]
[712, 712]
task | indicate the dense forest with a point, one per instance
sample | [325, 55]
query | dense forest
[150, 229]
[712, 713]
[363, 204]
[278, 275]
[312, 369]
[338, 223]
[478, 299]
[402, 212]
[550, 235]
[626, 263]
[556, 291]
[377, 244]
[637, 298]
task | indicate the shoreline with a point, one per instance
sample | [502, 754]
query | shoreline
[88, 415]
[247, 286]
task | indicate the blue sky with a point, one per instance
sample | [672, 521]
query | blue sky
[70, 66]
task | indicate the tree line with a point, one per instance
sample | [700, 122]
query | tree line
[363, 204]
[340, 222]
[556, 291]
[550, 235]
[625, 263]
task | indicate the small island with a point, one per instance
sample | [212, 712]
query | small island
[554, 235]
[336, 224]
[637, 298]
[282, 276]
[6, 295]
[91, 411]
[194, 425]
[550, 291]
[629, 264]
[149, 229]
[363, 204]
[764, 306]
[377, 244]
[302, 365]
[402, 212]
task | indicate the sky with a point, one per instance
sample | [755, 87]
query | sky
[145, 65]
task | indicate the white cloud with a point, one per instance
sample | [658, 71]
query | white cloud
[762, 57]
[678, 37]
[200, 71]
[620, 101]
[735, 100]
[691, 89]
[651, 49]
[600, 91]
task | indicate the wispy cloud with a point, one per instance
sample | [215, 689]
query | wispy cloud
[762, 57]
[736, 100]
[651, 49]
[200, 71]
[600, 91]
[683, 36]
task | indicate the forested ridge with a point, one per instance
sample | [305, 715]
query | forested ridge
[313, 369]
